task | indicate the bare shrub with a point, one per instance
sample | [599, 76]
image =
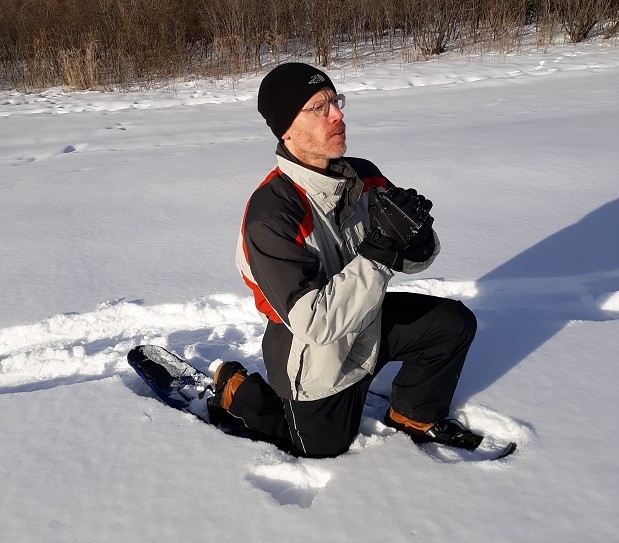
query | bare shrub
[613, 29]
[504, 21]
[322, 19]
[547, 21]
[123, 43]
[610, 20]
[436, 22]
[78, 67]
[580, 16]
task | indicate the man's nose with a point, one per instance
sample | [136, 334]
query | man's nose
[335, 113]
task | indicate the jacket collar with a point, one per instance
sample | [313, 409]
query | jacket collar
[341, 189]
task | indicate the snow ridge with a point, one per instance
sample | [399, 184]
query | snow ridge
[70, 348]
[81, 347]
[587, 297]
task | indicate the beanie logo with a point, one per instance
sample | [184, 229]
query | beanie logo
[315, 79]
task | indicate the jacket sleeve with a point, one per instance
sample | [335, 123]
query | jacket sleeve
[316, 308]
[411, 267]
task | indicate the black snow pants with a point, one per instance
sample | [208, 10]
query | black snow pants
[431, 336]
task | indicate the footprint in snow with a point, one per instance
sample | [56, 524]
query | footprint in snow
[74, 148]
[296, 482]
[23, 160]
[117, 126]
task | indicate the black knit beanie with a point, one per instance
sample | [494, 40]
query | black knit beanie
[285, 90]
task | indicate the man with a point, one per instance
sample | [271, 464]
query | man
[318, 262]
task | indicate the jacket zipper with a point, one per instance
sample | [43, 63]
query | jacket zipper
[297, 380]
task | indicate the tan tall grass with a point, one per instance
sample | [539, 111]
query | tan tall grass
[123, 43]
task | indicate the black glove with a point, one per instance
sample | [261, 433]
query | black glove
[400, 214]
[382, 249]
[422, 246]
[400, 228]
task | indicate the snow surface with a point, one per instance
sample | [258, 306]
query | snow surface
[118, 222]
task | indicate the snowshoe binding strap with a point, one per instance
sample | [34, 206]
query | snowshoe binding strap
[453, 433]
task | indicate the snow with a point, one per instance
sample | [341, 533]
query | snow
[119, 215]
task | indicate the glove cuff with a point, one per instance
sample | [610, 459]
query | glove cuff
[392, 259]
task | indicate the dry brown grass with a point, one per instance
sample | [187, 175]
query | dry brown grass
[123, 43]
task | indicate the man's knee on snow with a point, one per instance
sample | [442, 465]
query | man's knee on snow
[457, 321]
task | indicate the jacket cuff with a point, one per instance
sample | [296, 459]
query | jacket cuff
[387, 272]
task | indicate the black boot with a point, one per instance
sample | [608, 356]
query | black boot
[445, 432]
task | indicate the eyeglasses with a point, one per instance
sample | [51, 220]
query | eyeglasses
[322, 107]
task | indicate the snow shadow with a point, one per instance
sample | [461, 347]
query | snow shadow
[47, 384]
[524, 302]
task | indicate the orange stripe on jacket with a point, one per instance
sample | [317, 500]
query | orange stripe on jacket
[374, 181]
[262, 304]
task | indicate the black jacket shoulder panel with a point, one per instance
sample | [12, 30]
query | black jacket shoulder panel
[363, 167]
[277, 201]
[276, 225]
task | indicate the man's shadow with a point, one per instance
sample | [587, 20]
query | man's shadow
[527, 300]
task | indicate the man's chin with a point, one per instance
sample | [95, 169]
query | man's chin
[338, 153]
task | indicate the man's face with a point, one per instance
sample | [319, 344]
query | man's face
[313, 139]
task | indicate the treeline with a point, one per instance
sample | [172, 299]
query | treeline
[123, 43]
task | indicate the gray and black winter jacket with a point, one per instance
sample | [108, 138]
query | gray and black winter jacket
[297, 253]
